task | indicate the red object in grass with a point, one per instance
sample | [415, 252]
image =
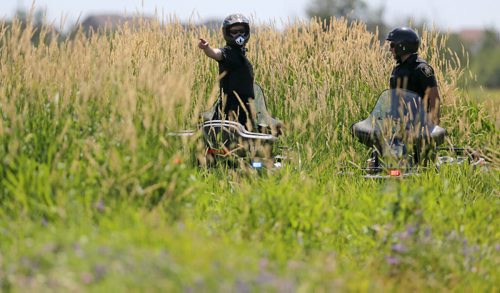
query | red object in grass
[216, 151]
[395, 172]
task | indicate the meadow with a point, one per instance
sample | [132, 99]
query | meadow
[95, 196]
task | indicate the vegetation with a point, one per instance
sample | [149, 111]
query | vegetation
[94, 195]
[352, 10]
[481, 53]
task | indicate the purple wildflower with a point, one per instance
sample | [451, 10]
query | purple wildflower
[410, 229]
[398, 247]
[392, 260]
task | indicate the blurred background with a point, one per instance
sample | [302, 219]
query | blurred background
[473, 26]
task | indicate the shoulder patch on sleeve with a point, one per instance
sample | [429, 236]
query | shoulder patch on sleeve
[427, 70]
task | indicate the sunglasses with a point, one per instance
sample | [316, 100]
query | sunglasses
[236, 31]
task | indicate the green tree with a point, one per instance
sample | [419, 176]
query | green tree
[491, 40]
[486, 62]
[352, 10]
[488, 69]
[324, 9]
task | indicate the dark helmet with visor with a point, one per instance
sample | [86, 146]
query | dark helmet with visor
[239, 39]
[405, 40]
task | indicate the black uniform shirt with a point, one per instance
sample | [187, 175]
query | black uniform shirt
[239, 76]
[413, 74]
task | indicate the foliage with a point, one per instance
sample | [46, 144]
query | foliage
[352, 10]
[337, 8]
[483, 57]
[486, 62]
[94, 194]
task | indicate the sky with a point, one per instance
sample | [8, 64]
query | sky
[447, 15]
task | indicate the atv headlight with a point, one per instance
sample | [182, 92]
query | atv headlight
[257, 165]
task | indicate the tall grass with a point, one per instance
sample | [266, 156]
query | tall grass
[95, 195]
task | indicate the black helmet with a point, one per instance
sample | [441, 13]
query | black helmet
[235, 19]
[405, 39]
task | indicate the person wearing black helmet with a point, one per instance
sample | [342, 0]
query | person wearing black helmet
[236, 71]
[412, 72]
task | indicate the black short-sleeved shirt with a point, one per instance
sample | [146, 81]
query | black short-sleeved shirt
[239, 76]
[413, 74]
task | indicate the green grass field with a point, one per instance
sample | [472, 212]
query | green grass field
[95, 196]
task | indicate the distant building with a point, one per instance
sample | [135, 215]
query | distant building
[472, 38]
[109, 22]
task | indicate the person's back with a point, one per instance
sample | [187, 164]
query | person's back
[412, 72]
[236, 71]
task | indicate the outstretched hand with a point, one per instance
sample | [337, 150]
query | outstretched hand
[203, 44]
[215, 54]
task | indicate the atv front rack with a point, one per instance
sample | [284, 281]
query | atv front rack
[227, 125]
[235, 127]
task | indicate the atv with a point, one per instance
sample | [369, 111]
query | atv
[403, 139]
[230, 143]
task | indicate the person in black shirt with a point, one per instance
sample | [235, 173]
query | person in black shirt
[236, 71]
[412, 72]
